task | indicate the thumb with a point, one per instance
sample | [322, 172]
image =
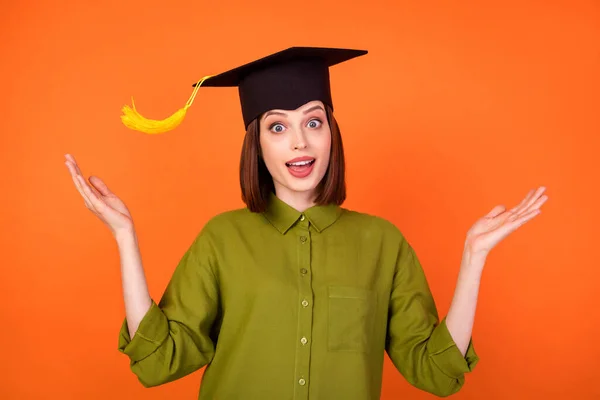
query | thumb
[496, 211]
[100, 185]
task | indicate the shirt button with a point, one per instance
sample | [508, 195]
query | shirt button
[302, 218]
[302, 382]
[303, 271]
[304, 303]
[304, 340]
[303, 239]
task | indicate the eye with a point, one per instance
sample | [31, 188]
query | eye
[277, 128]
[314, 123]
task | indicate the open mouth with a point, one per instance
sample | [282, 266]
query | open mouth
[304, 163]
[302, 167]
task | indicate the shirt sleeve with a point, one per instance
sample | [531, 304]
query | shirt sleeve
[175, 336]
[418, 343]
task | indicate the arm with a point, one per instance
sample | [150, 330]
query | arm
[434, 355]
[418, 343]
[135, 290]
[113, 212]
[483, 236]
[176, 336]
[462, 309]
[167, 341]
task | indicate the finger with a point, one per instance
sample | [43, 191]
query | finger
[71, 167]
[525, 200]
[71, 159]
[100, 186]
[539, 202]
[76, 171]
[496, 211]
[528, 206]
[97, 204]
[106, 212]
[511, 226]
[527, 216]
[92, 188]
[82, 186]
[75, 177]
[75, 165]
[531, 197]
[521, 219]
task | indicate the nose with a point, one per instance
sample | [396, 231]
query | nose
[299, 146]
[298, 140]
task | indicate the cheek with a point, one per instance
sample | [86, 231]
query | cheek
[324, 147]
[269, 151]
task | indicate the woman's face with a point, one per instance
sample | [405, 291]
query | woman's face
[295, 147]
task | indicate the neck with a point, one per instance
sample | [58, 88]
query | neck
[300, 201]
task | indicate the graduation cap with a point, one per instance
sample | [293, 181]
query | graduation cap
[283, 80]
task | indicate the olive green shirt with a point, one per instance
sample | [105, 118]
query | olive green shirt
[289, 305]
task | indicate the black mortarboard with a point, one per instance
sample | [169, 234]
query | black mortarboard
[283, 80]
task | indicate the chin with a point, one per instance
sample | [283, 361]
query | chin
[300, 185]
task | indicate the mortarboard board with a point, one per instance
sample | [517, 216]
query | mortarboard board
[283, 80]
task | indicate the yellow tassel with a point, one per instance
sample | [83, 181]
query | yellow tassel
[132, 119]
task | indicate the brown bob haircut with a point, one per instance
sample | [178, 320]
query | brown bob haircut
[257, 183]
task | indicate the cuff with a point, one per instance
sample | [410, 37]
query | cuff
[151, 333]
[446, 355]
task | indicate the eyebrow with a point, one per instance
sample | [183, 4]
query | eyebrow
[317, 107]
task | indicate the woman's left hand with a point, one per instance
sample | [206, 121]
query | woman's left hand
[499, 223]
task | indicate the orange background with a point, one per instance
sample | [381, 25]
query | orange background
[456, 108]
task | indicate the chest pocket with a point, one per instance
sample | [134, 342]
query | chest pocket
[351, 318]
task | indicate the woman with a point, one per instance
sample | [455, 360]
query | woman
[293, 296]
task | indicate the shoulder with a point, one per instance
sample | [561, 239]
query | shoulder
[371, 224]
[376, 233]
[225, 227]
[230, 221]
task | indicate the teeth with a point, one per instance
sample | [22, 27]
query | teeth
[300, 163]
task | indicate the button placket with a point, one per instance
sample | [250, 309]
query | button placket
[305, 310]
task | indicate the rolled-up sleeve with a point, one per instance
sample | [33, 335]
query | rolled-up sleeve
[418, 343]
[446, 355]
[176, 336]
[151, 333]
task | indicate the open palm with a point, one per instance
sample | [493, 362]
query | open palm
[487, 232]
[100, 200]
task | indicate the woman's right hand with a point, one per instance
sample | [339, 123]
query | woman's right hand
[100, 200]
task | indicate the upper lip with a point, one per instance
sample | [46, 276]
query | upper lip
[298, 159]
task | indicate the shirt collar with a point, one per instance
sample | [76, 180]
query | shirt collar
[283, 216]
